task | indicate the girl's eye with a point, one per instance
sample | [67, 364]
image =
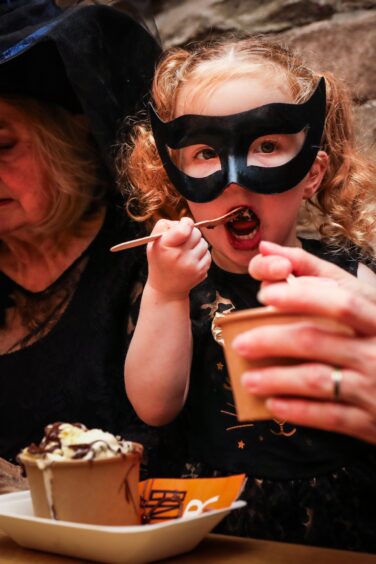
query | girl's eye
[267, 146]
[206, 154]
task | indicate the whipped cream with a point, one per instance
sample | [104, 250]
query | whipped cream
[73, 441]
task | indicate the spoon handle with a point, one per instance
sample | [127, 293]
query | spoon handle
[145, 240]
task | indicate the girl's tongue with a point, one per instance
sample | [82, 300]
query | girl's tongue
[244, 223]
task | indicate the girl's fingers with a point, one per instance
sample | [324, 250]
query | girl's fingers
[331, 301]
[200, 249]
[329, 416]
[205, 262]
[163, 225]
[179, 234]
[195, 239]
[307, 341]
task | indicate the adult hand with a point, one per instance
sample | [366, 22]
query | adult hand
[304, 394]
[179, 260]
[11, 479]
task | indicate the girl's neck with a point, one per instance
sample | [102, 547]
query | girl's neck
[35, 262]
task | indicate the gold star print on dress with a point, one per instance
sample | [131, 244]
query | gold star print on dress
[215, 305]
[281, 431]
[233, 414]
[215, 314]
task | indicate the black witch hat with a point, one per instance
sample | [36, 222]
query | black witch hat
[94, 57]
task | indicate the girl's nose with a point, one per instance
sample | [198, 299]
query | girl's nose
[234, 186]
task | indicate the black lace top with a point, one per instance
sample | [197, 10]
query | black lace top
[70, 366]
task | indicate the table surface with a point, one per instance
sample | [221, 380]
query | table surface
[214, 549]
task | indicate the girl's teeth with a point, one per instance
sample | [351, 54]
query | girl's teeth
[249, 236]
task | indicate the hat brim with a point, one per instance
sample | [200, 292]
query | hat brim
[93, 59]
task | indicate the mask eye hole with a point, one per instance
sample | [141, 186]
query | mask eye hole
[275, 149]
[197, 161]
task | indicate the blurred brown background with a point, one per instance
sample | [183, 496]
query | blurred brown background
[335, 35]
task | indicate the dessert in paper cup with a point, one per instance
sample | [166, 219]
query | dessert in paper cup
[228, 326]
[85, 476]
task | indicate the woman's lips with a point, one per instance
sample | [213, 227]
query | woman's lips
[5, 201]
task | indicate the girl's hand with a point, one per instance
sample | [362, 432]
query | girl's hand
[179, 260]
[304, 394]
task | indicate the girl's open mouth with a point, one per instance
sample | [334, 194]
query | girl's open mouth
[243, 230]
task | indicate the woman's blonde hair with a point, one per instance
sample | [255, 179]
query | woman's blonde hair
[62, 144]
[348, 185]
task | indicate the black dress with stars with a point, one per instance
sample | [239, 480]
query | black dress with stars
[304, 485]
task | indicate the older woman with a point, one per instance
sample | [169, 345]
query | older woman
[66, 79]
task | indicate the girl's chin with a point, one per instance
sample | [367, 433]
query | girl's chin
[235, 261]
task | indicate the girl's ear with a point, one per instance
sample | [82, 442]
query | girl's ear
[316, 174]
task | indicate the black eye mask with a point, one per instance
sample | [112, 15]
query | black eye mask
[231, 136]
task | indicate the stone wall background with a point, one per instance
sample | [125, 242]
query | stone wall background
[334, 35]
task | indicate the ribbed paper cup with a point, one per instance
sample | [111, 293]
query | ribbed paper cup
[250, 407]
[99, 492]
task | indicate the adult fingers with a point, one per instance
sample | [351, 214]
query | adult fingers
[271, 267]
[335, 302]
[306, 341]
[312, 380]
[330, 416]
[305, 264]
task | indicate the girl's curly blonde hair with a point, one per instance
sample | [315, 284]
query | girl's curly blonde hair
[347, 190]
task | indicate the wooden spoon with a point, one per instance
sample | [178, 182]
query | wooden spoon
[208, 223]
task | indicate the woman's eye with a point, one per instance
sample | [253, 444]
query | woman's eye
[267, 146]
[6, 146]
[206, 154]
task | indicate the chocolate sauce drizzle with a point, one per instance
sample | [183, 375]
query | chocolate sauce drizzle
[51, 443]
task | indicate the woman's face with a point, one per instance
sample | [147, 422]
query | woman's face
[24, 195]
[268, 217]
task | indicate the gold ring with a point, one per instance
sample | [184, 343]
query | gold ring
[336, 376]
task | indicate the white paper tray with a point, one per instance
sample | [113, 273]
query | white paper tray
[123, 545]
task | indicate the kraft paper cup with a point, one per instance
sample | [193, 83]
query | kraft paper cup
[99, 492]
[250, 407]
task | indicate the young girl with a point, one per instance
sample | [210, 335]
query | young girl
[241, 123]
